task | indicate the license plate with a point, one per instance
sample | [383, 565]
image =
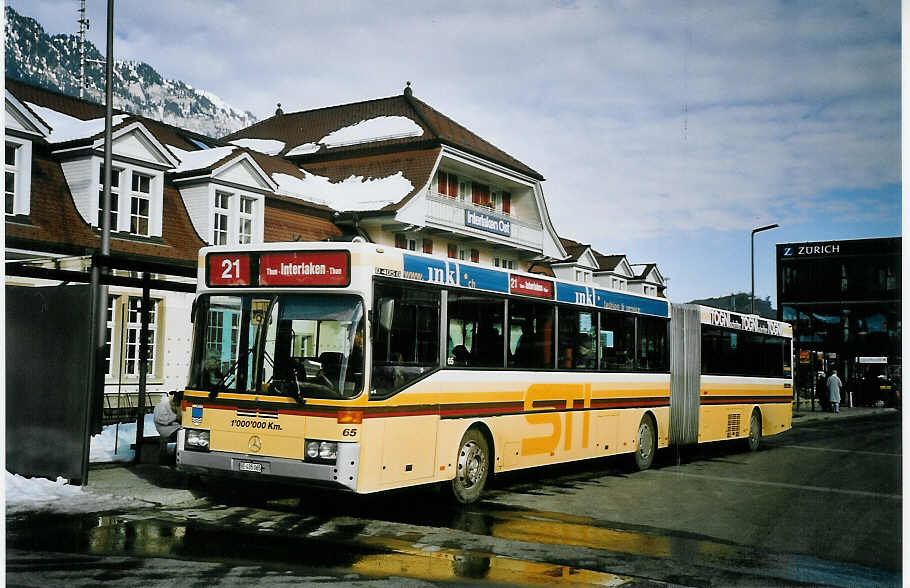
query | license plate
[250, 466]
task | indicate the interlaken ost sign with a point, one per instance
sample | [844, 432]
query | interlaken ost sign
[293, 268]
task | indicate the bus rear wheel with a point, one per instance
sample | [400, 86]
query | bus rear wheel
[646, 443]
[754, 431]
[473, 467]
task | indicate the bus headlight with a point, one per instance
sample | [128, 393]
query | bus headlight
[197, 440]
[321, 451]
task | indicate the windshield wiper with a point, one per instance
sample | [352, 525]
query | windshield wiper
[213, 393]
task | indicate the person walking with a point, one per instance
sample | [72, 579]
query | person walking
[834, 386]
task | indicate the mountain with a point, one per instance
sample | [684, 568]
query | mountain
[739, 302]
[35, 57]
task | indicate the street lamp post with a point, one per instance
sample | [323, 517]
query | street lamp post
[758, 230]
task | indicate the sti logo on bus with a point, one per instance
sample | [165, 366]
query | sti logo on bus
[229, 269]
[304, 268]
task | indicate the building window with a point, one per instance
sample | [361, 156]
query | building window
[412, 244]
[428, 246]
[506, 203]
[133, 330]
[401, 242]
[111, 303]
[480, 195]
[453, 251]
[462, 254]
[12, 171]
[447, 184]
[115, 195]
[222, 218]
[246, 219]
[463, 190]
[140, 201]
[475, 255]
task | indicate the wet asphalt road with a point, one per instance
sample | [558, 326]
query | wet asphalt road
[818, 505]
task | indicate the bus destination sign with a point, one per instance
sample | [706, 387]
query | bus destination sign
[530, 286]
[229, 269]
[305, 268]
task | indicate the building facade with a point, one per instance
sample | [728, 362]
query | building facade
[393, 171]
[843, 299]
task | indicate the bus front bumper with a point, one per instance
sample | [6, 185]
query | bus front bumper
[342, 473]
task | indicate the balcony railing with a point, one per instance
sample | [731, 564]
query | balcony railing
[449, 211]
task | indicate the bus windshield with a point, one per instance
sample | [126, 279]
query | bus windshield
[297, 345]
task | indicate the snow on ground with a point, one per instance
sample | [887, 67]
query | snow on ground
[354, 193]
[102, 448]
[68, 128]
[40, 494]
[267, 146]
[190, 160]
[380, 128]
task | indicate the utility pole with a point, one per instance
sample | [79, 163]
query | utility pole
[83, 27]
[758, 230]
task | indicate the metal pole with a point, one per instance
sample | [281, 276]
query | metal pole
[143, 361]
[758, 230]
[99, 291]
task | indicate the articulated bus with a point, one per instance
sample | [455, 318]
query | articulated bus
[368, 368]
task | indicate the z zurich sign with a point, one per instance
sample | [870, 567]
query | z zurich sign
[488, 223]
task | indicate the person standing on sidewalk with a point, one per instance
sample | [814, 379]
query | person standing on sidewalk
[834, 386]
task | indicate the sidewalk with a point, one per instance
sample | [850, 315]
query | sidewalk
[802, 412]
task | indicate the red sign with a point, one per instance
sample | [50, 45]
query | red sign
[530, 286]
[310, 268]
[229, 269]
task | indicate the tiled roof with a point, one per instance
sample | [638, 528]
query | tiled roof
[311, 126]
[608, 262]
[574, 249]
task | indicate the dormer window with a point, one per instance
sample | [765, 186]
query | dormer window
[12, 171]
[233, 218]
[136, 199]
[140, 200]
[18, 168]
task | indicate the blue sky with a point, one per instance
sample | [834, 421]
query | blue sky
[666, 130]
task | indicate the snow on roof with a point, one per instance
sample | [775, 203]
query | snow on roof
[203, 158]
[380, 128]
[304, 149]
[68, 128]
[267, 146]
[352, 194]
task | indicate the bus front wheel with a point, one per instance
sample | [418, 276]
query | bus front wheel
[646, 443]
[754, 431]
[473, 467]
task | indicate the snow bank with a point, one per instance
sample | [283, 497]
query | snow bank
[190, 160]
[102, 448]
[41, 494]
[67, 128]
[380, 128]
[353, 194]
[267, 146]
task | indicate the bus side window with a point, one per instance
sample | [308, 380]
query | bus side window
[405, 336]
[475, 331]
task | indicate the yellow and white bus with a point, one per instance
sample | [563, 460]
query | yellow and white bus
[369, 368]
